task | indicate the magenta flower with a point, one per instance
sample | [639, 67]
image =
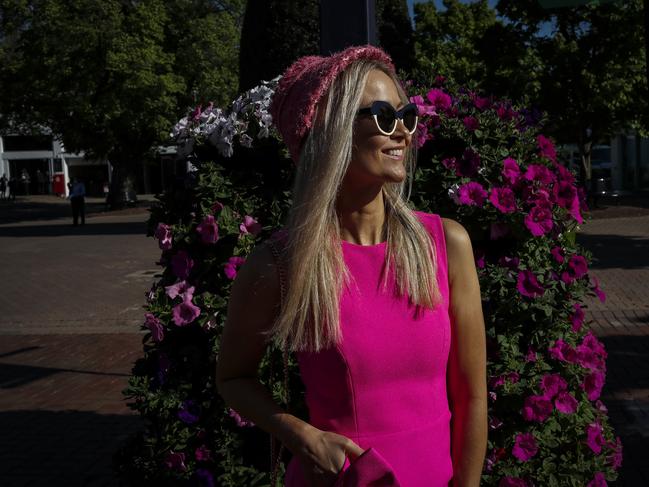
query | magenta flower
[481, 103]
[512, 482]
[439, 100]
[250, 225]
[422, 106]
[450, 163]
[557, 254]
[615, 460]
[564, 193]
[471, 123]
[536, 408]
[180, 288]
[565, 403]
[503, 199]
[472, 194]
[181, 264]
[525, 446]
[552, 384]
[155, 326]
[577, 317]
[202, 454]
[175, 461]
[540, 174]
[185, 312]
[563, 351]
[539, 220]
[546, 148]
[208, 230]
[422, 135]
[599, 480]
[528, 285]
[232, 265]
[216, 207]
[593, 385]
[578, 266]
[163, 234]
[575, 209]
[531, 354]
[241, 422]
[594, 438]
[511, 171]
[598, 292]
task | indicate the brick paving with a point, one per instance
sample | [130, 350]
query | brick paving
[620, 248]
[69, 333]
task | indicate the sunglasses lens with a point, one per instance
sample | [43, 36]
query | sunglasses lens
[410, 118]
[386, 118]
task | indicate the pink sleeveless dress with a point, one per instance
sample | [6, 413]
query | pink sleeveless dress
[384, 385]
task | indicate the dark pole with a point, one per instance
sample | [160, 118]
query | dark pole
[646, 38]
[344, 23]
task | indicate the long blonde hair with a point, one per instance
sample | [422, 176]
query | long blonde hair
[315, 268]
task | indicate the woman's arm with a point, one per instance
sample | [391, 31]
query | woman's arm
[253, 306]
[467, 367]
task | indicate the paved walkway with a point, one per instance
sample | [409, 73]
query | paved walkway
[620, 248]
[69, 334]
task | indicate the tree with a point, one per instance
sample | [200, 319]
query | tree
[109, 78]
[395, 32]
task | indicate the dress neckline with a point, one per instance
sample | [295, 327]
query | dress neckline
[360, 246]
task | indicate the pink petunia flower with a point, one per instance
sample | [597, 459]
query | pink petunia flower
[578, 266]
[577, 317]
[249, 225]
[481, 103]
[163, 234]
[546, 148]
[232, 265]
[202, 454]
[155, 326]
[563, 351]
[593, 385]
[536, 408]
[181, 264]
[599, 480]
[615, 460]
[565, 403]
[564, 193]
[539, 220]
[472, 194]
[540, 174]
[208, 230]
[185, 313]
[175, 461]
[525, 446]
[557, 254]
[594, 437]
[552, 384]
[511, 172]
[503, 199]
[531, 354]
[423, 107]
[528, 285]
[440, 100]
[471, 123]
[180, 288]
[598, 292]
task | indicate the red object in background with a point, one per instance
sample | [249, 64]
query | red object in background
[58, 184]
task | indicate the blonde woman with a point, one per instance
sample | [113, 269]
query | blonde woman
[382, 304]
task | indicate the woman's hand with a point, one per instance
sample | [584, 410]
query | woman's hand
[323, 456]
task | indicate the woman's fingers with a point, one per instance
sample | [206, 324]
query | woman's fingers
[352, 450]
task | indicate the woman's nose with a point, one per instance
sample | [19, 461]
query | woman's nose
[402, 132]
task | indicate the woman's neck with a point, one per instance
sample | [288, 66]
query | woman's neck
[362, 216]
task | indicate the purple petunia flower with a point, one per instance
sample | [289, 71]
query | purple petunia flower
[155, 326]
[578, 266]
[204, 477]
[546, 148]
[216, 207]
[202, 454]
[536, 408]
[181, 264]
[565, 403]
[250, 225]
[594, 438]
[503, 199]
[599, 480]
[208, 230]
[539, 220]
[552, 384]
[564, 193]
[593, 385]
[471, 123]
[481, 103]
[525, 446]
[511, 172]
[185, 313]
[440, 100]
[598, 292]
[472, 194]
[557, 254]
[232, 265]
[577, 317]
[528, 285]
[540, 174]
[163, 234]
[562, 351]
[189, 411]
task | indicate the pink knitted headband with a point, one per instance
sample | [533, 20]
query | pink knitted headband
[304, 83]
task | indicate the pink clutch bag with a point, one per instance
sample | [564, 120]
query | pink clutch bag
[368, 470]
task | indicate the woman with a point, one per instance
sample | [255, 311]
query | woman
[376, 344]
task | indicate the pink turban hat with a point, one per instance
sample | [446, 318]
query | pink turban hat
[302, 86]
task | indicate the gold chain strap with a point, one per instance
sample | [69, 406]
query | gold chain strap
[275, 458]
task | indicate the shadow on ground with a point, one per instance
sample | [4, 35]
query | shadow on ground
[70, 448]
[627, 373]
[616, 251]
[94, 227]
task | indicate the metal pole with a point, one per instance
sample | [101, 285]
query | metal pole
[344, 24]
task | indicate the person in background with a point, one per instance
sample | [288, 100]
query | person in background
[3, 186]
[25, 179]
[40, 179]
[77, 198]
[13, 182]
